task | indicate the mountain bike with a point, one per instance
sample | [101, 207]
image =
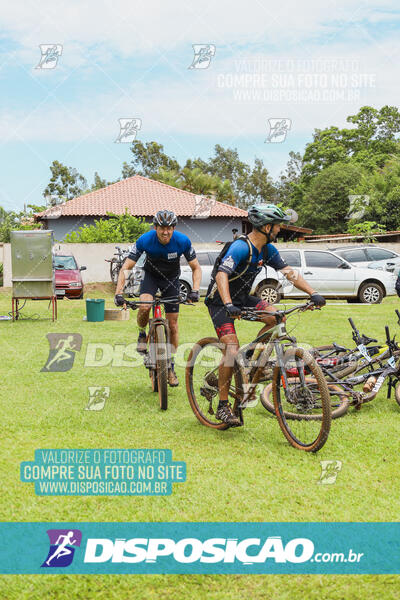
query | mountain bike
[378, 362]
[274, 354]
[116, 263]
[157, 358]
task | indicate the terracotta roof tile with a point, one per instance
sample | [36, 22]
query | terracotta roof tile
[142, 197]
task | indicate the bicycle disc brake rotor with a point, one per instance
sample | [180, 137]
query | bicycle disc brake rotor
[302, 398]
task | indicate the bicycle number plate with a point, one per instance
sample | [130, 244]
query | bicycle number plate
[378, 384]
[364, 352]
[392, 362]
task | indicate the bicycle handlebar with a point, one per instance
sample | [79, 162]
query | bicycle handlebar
[250, 313]
[136, 303]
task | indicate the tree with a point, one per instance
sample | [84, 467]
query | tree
[116, 229]
[98, 183]
[288, 186]
[371, 141]
[65, 183]
[248, 185]
[14, 221]
[147, 160]
[382, 190]
[326, 204]
[197, 182]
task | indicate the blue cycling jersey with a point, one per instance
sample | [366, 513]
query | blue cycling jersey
[162, 259]
[238, 253]
[241, 276]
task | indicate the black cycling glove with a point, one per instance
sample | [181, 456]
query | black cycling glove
[233, 311]
[119, 300]
[317, 299]
[193, 296]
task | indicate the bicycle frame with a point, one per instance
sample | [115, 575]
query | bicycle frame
[273, 338]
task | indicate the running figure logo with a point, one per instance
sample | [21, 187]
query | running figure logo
[50, 55]
[202, 207]
[62, 351]
[61, 551]
[278, 129]
[203, 54]
[128, 129]
[97, 397]
[330, 470]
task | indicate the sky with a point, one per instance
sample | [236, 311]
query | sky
[302, 65]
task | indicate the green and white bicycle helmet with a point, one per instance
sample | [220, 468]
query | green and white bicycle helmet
[264, 214]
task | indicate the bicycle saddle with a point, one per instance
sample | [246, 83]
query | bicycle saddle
[339, 348]
[367, 340]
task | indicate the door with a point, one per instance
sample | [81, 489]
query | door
[322, 271]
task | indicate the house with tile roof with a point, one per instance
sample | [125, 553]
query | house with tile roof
[203, 219]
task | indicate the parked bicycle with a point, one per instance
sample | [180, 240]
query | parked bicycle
[157, 358]
[116, 263]
[378, 362]
[273, 353]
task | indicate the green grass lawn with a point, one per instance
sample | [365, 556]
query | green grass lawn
[246, 474]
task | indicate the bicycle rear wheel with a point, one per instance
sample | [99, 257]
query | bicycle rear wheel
[340, 401]
[162, 365]
[202, 381]
[303, 413]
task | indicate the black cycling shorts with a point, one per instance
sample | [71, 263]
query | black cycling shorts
[169, 288]
[225, 325]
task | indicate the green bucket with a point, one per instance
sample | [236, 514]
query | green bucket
[95, 309]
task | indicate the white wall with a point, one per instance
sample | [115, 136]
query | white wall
[93, 256]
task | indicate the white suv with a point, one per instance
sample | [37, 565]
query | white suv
[326, 272]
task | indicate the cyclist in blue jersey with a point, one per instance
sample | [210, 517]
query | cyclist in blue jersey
[230, 286]
[163, 247]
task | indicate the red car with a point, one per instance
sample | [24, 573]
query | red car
[68, 277]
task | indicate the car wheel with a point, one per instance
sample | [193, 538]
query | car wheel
[269, 293]
[184, 289]
[370, 293]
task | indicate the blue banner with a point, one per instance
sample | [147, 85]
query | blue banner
[149, 548]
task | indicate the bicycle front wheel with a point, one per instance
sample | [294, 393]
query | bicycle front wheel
[162, 366]
[202, 382]
[303, 411]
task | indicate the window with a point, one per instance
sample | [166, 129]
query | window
[213, 256]
[291, 257]
[380, 254]
[322, 259]
[67, 263]
[354, 256]
[203, 259]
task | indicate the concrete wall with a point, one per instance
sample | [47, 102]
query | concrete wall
[199, 230]
[93, 255]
